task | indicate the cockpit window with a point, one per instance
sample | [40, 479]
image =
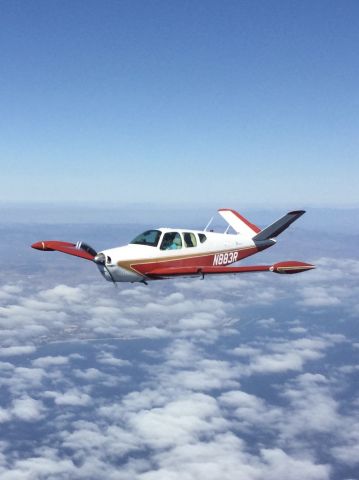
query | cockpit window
[202, 237]
[149, 237]
[171, 241]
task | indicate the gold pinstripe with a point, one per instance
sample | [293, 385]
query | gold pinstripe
[294, 268]
[131, 266]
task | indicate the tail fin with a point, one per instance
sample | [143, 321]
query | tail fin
[279, 226]
[239, 223]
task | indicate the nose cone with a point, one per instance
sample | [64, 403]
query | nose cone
[100, 259]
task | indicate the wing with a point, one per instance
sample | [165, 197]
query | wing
[79, 249]
[281, 267]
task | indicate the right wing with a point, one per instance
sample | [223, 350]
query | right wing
[281, 267]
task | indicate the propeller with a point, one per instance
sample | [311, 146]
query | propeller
[86, 247]
[100, 259]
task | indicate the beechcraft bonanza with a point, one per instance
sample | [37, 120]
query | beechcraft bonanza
[179, 252]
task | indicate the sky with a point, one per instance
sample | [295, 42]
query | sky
[118, 116]
[179, 103]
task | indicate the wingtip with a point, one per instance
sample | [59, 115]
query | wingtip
[38, 245]
[291, 266]
[41, 246]
[296, 212]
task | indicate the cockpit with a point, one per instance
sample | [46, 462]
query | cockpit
[170, 240]
[149, 238]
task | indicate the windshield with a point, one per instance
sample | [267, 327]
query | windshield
[149, 237]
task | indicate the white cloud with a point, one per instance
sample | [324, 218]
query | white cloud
[178, 422]
[72, 397]
[5, 415]
[45, 362]
[251, 410]
[181, 412]
[318, 297]
[101, 441]
[63, 293]
[108, 359]
[17, 350]
[348, 451]
[281, 356]
[27, 409]
[226, 457]
[282, 465]
[37, 468]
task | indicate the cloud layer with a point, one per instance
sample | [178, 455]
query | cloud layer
[235, 377]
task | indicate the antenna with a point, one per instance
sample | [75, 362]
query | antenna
[208, 224]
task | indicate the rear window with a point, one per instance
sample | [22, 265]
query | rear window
[190, 239]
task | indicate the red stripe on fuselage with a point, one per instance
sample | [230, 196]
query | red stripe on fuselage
[195, 261]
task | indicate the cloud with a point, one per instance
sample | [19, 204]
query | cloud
[108, 359]
[27, 409]
[221, 378]
[38, 467]
[20, 379]
[99, 443]
[348, 453]
[178, 422]
[318, 297]
[282, 465]
[63, 293]
[9, 291]
[5, 415]
[17, 350]
[311, 406]
[282, 356]
[332, 284]
[72, 397]
[225, 456]
[250, 410]
[45, 362]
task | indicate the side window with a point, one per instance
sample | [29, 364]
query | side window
[171, 241]
[202, 237]
[190, 239]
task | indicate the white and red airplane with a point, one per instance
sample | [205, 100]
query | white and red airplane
[172, 252]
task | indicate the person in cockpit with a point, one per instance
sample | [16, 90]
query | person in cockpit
[176, 243]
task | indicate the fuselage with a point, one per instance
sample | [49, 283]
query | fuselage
[174, 247]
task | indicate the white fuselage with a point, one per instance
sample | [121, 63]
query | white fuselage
[129, 263]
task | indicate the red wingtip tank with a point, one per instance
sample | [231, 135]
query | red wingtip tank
[290, 267]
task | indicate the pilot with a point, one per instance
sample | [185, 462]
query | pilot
[176, 243]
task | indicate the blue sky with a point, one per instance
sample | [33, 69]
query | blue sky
[233, 103]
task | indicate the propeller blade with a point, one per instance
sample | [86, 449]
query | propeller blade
[113, 281]
[100, 259]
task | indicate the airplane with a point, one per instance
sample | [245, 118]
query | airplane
[165, 253]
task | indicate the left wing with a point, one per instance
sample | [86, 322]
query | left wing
[281, 267]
